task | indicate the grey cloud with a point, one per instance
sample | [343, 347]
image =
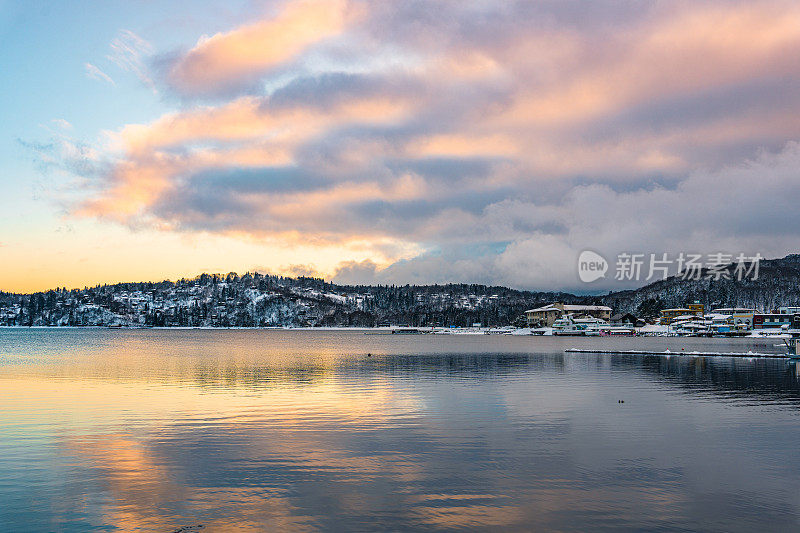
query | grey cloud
[446, 169]
[356, 273]
[217, 200]
[427, 268]
[492, 24]
[254, 180]
[241, 199]
[330, 88]
[302, 270]
[754, 100]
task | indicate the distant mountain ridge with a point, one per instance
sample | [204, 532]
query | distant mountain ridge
[256, 300]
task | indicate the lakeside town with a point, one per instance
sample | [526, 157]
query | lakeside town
[691, 320]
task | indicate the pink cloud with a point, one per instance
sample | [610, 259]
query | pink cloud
[238, 57]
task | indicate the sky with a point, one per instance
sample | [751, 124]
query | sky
[392, 142]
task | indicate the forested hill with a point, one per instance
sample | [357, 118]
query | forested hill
[262, 300]
[778, 284]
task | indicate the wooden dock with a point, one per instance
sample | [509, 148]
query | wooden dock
[682, 352]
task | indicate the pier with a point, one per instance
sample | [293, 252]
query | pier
[682, 352]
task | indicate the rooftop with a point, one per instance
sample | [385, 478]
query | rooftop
[586, 308]
[542, 309]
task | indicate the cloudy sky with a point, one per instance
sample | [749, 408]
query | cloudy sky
[392, 142]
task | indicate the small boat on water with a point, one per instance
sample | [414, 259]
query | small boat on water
[668, 353]
[568, 325]
[399, 330]
[407, 331]
[617, 331]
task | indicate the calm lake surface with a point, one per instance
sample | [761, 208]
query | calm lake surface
[254, 430]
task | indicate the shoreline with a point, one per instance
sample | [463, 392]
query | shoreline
[669, 353]
[422, 330]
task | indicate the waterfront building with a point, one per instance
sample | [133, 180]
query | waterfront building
[696, 308]
[545, 316]
[668, 315]
[772, 320]
[626, 319]
[740, 317]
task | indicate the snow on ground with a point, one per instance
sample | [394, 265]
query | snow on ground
[769, 334]
[651, 329]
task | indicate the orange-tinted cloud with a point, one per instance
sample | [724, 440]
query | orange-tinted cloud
[686, 50]
[242, 133]
[237, 57]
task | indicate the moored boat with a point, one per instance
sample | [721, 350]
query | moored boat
[569, 325]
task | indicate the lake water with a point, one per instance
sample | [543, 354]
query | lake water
[254, 430]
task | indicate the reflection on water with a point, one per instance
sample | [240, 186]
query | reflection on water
[262, 430]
